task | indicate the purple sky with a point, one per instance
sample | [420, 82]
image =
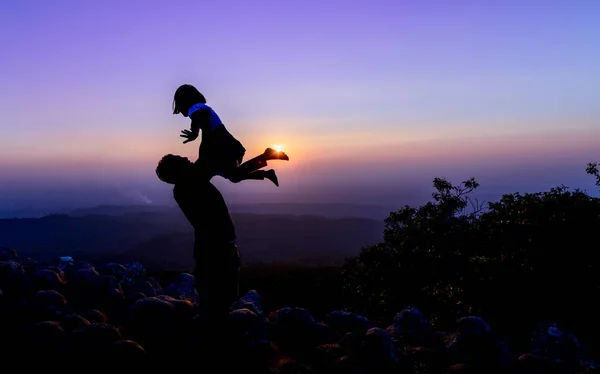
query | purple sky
[371, 99]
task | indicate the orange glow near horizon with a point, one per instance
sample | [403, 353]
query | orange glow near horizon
[62, 154]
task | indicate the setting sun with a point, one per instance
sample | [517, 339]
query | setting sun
[278, 148]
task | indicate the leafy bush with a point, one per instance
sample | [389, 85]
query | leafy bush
[526, 256]
[592, 169]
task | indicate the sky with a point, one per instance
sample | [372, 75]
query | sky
[371, 99]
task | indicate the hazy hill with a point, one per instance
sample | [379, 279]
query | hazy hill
[119, 210]
[163, 238]
[376, 212]
[305, 240]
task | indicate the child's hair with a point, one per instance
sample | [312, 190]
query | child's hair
[186, 96]
[169, 168]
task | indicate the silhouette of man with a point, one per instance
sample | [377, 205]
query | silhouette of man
[215, 249]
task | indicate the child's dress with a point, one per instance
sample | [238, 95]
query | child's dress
[220, 152]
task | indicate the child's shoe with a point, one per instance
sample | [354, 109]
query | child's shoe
[272, 154]
[270, 175]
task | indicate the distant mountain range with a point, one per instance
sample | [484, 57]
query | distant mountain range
[161, 237]
[376, 212]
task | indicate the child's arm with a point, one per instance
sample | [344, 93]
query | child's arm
[199, 118]
[189, 136]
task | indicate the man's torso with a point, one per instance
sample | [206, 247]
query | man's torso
[206, 210]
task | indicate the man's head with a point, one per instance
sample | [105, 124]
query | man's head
[172, 168]
[186, 96]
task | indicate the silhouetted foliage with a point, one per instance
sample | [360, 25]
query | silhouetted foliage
[592, 169]
[525, 257]
[423, 251]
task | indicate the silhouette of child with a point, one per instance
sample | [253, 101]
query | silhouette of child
[219, 152]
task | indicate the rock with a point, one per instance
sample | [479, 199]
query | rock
[135, 273]
[85, 277]
[47, 280]
[47, 305]
[411, 327]
[127, 350]
[248, 328]
[477, 345]
[48, 299]
[94, 316]
[552, 341]
[251, 300]
[8, 254]
[65, 262]
[343, 322]
[116, 270]
[183, 285]
[71, 322]
[378, 345]
[292, 319]
[13, 278]
[152, 311]
[142, 287]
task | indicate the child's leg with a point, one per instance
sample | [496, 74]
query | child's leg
[248, 167]
[204, 170]
[249, 170]
[252, 165]
[239, 175]
[260, 161]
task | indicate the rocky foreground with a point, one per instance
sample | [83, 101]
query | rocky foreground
[73, 316]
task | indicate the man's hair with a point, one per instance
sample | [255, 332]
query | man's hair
[186, 96]
[170, 168]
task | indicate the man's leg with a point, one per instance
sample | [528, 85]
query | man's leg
[200, 273]
[222, 278]
[231, 281]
